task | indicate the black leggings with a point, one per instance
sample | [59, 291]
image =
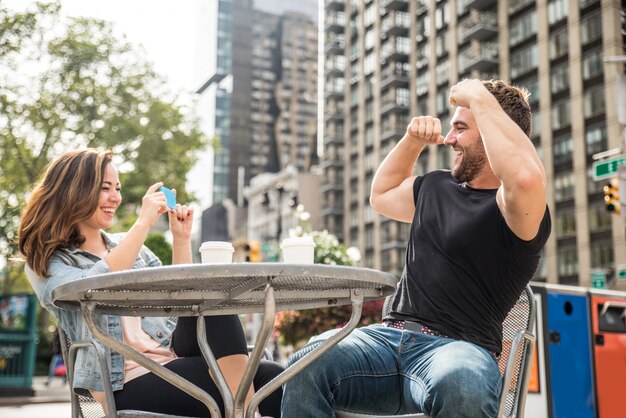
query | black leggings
[225, 337]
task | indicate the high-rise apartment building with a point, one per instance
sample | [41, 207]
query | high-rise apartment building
[389, 60]
[266, 117]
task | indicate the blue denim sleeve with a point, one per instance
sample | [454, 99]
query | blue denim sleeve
[60, 273]
[149, 257]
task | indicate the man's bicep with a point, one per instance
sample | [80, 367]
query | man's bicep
[397, 203]
[523, 212]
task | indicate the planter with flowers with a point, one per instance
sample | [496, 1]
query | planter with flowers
[294, 328]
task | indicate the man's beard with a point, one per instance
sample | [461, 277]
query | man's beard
[472, 163]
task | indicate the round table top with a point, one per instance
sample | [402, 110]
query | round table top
[190, 289]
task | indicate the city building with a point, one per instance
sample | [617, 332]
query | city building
[388, 60]
[261, 90]
[273, 200]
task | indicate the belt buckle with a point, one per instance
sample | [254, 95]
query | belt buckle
[413, 326]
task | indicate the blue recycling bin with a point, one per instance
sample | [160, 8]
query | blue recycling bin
[570, 352]
[18, 343]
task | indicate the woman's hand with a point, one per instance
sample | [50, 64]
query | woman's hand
[181, 221]
[153, 205]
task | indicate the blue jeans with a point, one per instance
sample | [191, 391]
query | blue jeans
[383, 370]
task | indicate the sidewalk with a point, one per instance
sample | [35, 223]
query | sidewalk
[56, 392]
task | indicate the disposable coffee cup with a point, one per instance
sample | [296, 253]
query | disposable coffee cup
[216, 252]
[298, 250]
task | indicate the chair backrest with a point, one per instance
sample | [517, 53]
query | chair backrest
[83, 405]
[518, 342]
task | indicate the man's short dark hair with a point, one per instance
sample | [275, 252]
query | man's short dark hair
[514, 102]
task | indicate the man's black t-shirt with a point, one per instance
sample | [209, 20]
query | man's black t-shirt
[465, 268]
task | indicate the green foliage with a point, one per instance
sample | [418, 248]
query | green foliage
[160, 247]
[70, 83]
[13, 279]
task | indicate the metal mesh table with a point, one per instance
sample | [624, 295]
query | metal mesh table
[220, 289]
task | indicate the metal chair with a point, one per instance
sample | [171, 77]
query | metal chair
[83, 405]
[518, 342]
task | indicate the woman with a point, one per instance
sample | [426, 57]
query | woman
[62, 239]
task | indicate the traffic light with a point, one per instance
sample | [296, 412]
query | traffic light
[611, 198]
[253, 251]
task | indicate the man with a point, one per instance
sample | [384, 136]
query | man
[474, 244]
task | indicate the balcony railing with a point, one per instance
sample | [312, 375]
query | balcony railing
[335, 4]
[396, 48]
[335, 22]
[396, 23]
[393, 75]
[480, 57]
[480, 25]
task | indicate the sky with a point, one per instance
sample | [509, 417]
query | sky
[166, 29]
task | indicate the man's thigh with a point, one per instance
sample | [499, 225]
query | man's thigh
[362, 370]
[442, 368]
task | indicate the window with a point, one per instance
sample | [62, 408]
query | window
[369, 63]
[443, 72]
[593, 101]
[563, 148]
[442, 43]
[402, 96]
[595, 138]
[370, 39]
[422, 52]
[602, 254]
[563, 187]
[590, 28]
[421, 84]
[369, 16]
[523, 27]
[599, 217]
[536, 125]
[559, 78]
[592, 63]
[523, 60]
[558, 43]
[568, 261]
[442, 100]
[557, 10]
[442, 16]
[443, 157]
[561, 114]
[565, 223]
[532, 86]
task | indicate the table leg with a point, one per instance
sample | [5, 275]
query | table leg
[89, 312]
[278, 381]
[235, 409]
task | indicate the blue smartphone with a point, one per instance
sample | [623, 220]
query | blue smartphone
[169, 196]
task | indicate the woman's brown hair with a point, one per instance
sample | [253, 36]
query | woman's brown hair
[67, 194]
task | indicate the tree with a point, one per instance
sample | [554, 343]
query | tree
[71, 83]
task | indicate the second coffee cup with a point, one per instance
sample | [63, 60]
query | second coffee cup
[216, 252]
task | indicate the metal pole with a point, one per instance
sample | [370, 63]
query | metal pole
[279, 226]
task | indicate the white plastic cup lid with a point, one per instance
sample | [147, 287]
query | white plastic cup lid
[216, 245]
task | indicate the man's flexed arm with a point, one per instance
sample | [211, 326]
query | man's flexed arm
[392, 187]
[512, 157]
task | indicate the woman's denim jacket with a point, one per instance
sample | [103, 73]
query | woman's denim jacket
[72, 264]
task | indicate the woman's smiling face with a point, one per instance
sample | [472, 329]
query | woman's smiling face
[110, 200]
